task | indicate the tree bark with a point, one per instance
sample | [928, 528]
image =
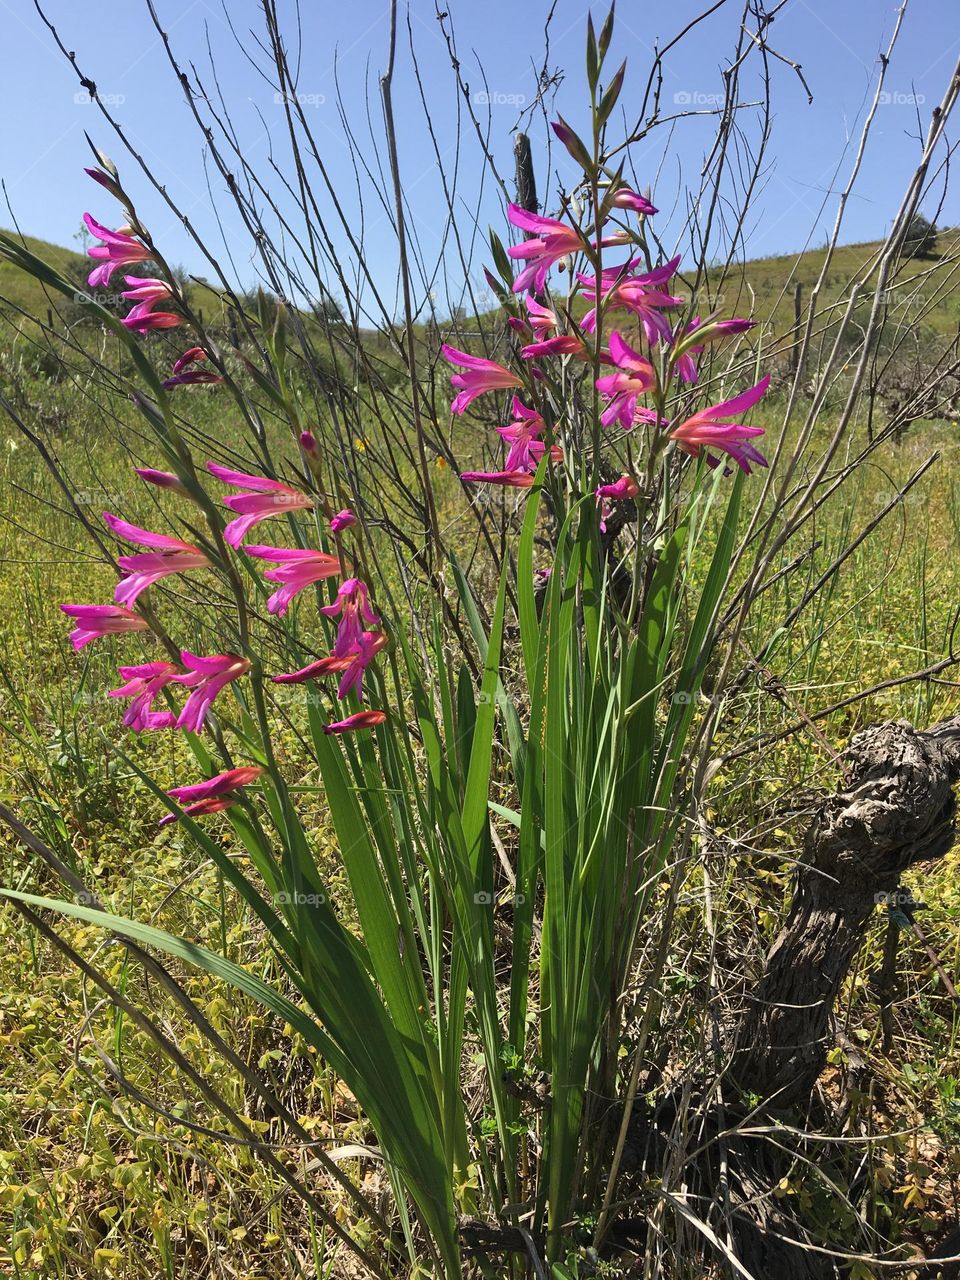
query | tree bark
[897, 809]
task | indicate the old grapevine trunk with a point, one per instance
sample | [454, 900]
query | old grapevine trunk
[897, 809]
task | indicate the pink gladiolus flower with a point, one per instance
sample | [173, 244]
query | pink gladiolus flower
[350, 666]
[707, 430]
[649, 415]
[146, 290]
[551, 241]
[104, 179]
[695, 337]
[142, 571]
[634, 377]
[352, 606]
[213, 795]
[344, 519]
[120, 249]
[627, 199]
[541, 319]
[314, 670]
[308, 442]
[620, 491]
[509, 479]
[182, 375]
[359, 720]
[95, 620]
[162, 479]
[205, 678]
[192, 355]
[147, 293]
[523, 436]
[639, 294]
[564, 344]
[143, 683]
[371, 642]
[686, 366]
[299, 568]
[142, 319]
[482, 375]
[267, 498]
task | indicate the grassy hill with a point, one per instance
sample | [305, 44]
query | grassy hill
[923, 289]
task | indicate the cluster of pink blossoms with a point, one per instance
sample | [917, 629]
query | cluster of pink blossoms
[644, 295]
[359, 634]
[359, 637]
[123, 248]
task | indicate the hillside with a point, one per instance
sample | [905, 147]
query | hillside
[924, 289]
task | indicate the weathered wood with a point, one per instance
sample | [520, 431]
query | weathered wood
[525, 177]
[897, 810]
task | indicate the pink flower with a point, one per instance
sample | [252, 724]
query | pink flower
[695, 337]
[706, 430]
[299, 568]
[182, 375]
[104, 179]
[120, 249]
[523, 436]
[482, 375]
[352, 606]
[142, 571]
[205, 678]
[162, 479]
[147, 293]
[95, 620]
[371, 642]
[627, 199]
[141, 320]
[551, 241]
[213, 795]
[315, 670]
[350, 666]
[509, 479]
[143, 683]
[359, 720]
[624, 388]
[266, 498]
[308, 442]
[639, 294]
[540, 318]
[564, 344]
[344, 519]
[620, 491]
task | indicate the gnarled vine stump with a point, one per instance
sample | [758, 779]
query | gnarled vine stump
[897, 809]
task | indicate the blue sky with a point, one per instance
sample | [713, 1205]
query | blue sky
[42, 147]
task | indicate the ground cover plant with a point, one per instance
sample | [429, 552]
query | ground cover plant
[428, 779]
